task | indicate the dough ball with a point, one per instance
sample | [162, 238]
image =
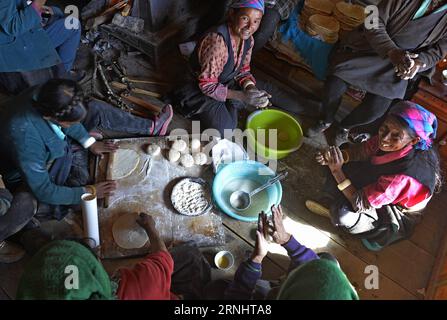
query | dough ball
[179, 145]
[200, 159]
[265, 105]
[283, 136]
[153, 150]
[186, 151]
[195, 145]
[174, 155]
[126, 162]
[187, 160]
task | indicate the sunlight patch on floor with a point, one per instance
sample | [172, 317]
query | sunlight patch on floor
[307, 235]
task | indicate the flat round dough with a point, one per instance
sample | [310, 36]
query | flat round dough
[125, 163]
[127, 233]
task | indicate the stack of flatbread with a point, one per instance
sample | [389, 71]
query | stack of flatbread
[324, 27]
[312, 7]
[349, 15]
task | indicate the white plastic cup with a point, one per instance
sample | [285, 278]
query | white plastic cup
[224, 260]
[90, 218]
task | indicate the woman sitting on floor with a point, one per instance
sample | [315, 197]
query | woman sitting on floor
[387, 181]
[182, 270]
[221, 66]
[46, 132]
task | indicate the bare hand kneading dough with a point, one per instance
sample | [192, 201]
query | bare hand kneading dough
[127, 233]
[126, 161]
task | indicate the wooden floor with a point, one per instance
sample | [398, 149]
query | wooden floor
[404, 268]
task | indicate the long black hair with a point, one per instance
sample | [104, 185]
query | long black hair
[62, 100]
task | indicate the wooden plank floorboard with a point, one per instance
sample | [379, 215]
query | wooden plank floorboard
[434, 214]
[426, 239]
[352, 265]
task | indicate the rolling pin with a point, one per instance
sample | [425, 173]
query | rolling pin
[109, 175]
[142, 103]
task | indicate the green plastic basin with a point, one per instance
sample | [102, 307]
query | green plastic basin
[289, 133]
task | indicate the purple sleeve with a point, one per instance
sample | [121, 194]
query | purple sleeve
[244, 281]
[298, 253]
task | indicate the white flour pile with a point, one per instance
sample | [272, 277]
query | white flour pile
[189, 198]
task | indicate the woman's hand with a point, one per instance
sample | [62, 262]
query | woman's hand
[257, 98]
[105, 188]
[401, 59]
[146, 222]
[279, 234]
[100, 147]
[334, 157]
[411, 72]
[261, 245]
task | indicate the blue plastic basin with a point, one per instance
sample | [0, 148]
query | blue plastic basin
[245, 176]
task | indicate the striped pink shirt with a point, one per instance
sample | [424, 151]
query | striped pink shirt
[213, 56]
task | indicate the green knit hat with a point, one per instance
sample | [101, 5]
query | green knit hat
[319, 279]
[64, 270]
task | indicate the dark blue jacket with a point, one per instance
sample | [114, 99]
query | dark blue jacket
[29, 146]
[24, 44]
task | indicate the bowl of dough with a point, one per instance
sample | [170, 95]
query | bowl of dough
[191, 197]
[245, 176]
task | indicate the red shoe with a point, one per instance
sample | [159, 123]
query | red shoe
[162, 121]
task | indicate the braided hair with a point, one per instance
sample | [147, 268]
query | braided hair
[62, 100]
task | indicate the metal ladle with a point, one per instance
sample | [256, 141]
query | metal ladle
[241, 200]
